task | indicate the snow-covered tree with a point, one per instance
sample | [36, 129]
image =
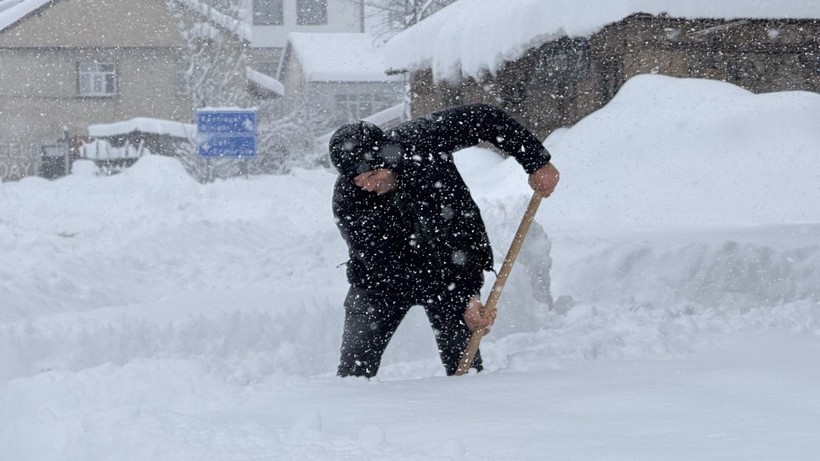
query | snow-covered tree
[385, 18]
[215, 59]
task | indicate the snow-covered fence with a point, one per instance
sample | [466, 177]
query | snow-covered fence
[119, 145]
[111, 159]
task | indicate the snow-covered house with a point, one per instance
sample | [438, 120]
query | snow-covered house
[264, 25]
[67, 64]
[336, 77]
[552, 62]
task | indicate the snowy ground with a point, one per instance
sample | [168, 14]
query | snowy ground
[147, 317]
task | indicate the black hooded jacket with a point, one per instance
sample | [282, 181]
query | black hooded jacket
[428, 235]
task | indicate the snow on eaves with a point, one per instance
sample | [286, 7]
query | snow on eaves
[265, 81]
[6, 4]
[12, 11]
[472, 37]
[339, 57]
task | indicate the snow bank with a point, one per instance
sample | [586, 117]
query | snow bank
[672, 219]
[146, 315]
[689, 153]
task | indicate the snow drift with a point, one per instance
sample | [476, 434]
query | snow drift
[145, 314]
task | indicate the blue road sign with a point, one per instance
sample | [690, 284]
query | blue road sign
[226, 133]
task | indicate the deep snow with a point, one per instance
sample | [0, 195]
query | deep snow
[145, 316]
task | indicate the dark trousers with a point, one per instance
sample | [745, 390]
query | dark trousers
[372, 318]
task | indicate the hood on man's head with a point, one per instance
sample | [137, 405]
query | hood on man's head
[355, 148]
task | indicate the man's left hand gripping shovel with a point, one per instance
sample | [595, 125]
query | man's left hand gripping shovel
[472, 347]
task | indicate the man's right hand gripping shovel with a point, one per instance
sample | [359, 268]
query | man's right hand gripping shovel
[477, 317]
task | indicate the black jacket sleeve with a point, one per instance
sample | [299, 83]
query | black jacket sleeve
[466, 126]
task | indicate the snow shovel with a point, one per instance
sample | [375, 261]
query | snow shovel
[489, 307]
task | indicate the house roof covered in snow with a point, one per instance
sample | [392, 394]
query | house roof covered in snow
[265, 81]
[12, 11]
[54, 24]
[471, 37]
[338, 57]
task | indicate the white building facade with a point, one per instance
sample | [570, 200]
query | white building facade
[268, 23]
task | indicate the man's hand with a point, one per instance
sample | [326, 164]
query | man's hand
[476, 317]
[544, 180]
[380, 181]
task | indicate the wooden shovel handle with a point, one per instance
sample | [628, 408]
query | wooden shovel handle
[515, 248]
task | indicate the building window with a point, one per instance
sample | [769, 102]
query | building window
[268, 12]
[311, 12]
[350, 107]
[97, 79]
